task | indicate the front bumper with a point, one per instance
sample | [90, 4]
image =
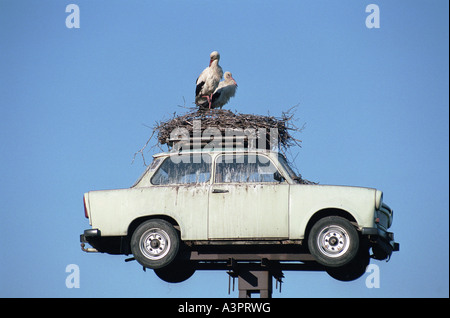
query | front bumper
[382, 242]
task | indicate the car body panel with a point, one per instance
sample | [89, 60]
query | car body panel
[243, 210]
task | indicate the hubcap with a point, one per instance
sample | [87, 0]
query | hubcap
[333, 241]
[155, 243]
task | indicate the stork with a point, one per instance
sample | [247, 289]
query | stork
[208, 80]
[223, 93]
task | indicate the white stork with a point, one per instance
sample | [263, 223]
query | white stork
[208, 80]
[223, 93]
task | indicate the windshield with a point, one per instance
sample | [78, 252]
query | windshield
[287, 167]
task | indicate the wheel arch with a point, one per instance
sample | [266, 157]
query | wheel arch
[325, 213]
[136, 222]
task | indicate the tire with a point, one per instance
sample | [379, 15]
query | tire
[155, 243]
[180, 269]
[333, 241]
[176, 272]
[353, 270]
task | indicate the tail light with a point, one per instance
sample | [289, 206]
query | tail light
[85, 208]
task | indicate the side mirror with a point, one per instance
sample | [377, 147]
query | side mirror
[278, 177]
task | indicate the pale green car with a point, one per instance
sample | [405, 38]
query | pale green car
[213, 198]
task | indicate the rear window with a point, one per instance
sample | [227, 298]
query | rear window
[183, 169]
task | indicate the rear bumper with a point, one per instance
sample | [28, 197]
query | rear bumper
[104, 244]
[89, 234]
[382, 242]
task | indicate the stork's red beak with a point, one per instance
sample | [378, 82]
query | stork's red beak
[210, 61]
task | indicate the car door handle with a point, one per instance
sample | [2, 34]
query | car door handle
[220, 191]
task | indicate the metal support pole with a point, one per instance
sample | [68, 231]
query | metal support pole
[253, 282]
[255, 271]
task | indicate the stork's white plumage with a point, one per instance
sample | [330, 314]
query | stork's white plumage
[224, 91]
[208, 80]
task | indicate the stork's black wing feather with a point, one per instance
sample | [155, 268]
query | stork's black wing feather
[199, 87]
[216, 95]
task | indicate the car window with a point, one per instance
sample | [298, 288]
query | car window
[282, 159]
[183, 169]
[239, 168]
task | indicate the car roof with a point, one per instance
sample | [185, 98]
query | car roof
[215, 150]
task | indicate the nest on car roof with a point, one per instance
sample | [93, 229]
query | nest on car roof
[225, 121]
[195, 122]
[228, 122]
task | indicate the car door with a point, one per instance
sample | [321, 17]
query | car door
[248, 199]
[180, 189]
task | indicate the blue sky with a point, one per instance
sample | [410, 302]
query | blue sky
[76, 104]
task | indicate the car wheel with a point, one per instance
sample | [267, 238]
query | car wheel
[155, 243]
[176, 272]
[333, 241]
[353, 270]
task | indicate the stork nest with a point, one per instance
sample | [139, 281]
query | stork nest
[226, 120]
[222, 120]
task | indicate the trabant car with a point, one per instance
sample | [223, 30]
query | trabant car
[252, 197]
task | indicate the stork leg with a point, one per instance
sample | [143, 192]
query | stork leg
[209, 99]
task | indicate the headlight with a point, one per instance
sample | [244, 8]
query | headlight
[378, 199]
